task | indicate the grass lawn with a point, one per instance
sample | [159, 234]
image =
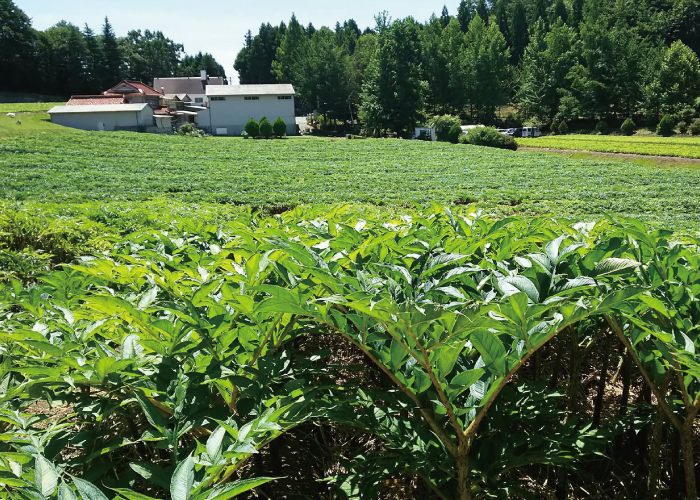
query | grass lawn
[680, 146]
[28, 107]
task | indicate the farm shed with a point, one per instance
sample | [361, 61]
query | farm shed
[231, 106]
[104, 116]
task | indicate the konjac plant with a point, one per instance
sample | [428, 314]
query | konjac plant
[163, 368]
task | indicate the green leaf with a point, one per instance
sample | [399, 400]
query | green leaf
[215, 443]
[398, 353]
[132, 495]
[45, 476]
[148, 297]
[514, 284]
[87, 490]
[65, 492]
[491, 350]
[152, 473]
[152, 414]
[230, 490]
[182, 480]
[613, 265]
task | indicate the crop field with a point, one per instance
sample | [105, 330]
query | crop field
[684, 147]
[27, 107]
[76, 167]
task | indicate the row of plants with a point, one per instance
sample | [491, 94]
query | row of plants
[170, 366]
[264, 128]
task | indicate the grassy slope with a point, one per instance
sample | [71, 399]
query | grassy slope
[73, 166]
[31, 125]
[28, 107]
[680, 146]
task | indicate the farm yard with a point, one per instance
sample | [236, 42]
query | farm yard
[202, 318]
[682, 147]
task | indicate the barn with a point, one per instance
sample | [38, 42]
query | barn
[231, 106]
[133, 117]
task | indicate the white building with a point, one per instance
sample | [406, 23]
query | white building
[194, 86]
[135, 117]
[231, 106]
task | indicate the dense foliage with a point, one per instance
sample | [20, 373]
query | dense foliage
[592, 59]
[163, 368]
[489, 136]
[279, 127]
[64, 60]
[666, 126]
[265, 128]
[628, 126]
[252, 127]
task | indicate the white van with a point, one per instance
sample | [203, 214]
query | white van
[531, 132]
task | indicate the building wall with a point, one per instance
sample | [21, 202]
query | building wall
[112, 120]
[234, 111]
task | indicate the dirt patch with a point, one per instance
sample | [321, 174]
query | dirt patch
[617, 156]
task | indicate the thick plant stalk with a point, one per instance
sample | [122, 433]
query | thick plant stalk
[655, 455]
[574, 368]
[688, 461]
[626, 377]
[463, 484]
[601, 384]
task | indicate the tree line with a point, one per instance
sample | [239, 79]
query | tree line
[549, 59]
[64, 60]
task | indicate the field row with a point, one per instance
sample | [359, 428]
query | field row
[685, 147]
[27, 107]
[83, 167]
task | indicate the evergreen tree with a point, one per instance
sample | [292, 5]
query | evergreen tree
[539, 11]
[288, 51]
[465, 14]
[110, 73]
[93, 61]
[444, 17]
[679, 79]
[482, 10]
[576, 13]
[63, 55]
[192, 65]
[501, 15]
[560, 12]
[391, 94]
[150, 55]
[519, 36]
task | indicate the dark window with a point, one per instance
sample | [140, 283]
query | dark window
[218, 99]
[284, 97]
[251, 98]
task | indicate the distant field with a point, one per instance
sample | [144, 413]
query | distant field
[27, 107]
[31, 124]
[680, 146]
[66, 166]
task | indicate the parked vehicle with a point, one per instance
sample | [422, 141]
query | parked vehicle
[531, 132]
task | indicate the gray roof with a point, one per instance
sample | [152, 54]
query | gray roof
[185, 84]
[267, 89]
[97, 108]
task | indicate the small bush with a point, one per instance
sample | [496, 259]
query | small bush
[244, 134]
[442, 125]
[695, 128]
[601, 127]
[682, 127]
[354, 136]
[488, 136]
[279, 127]
[191, 130]
[424, 136]
[628, 126]
[666, 126]
[265, 128]
[563, 128]
[252, 127]
[554, 127]
[454, 133]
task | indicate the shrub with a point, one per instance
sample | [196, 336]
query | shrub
[682, 127]
[252, 128]
[279, 127]
[554, 127]
[628, 126]
[442, 125]
[601, 127]
[488, 136]
[265, 128]
[244, 134]
[191, 130]
[695, 128]
[563, 128]
[454, 133]
[666, 125]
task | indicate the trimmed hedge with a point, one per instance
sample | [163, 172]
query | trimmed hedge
[490, 137]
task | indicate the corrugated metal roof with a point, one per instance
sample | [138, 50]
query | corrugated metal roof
[267, 89]
[98, 108]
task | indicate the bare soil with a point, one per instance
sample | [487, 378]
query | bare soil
[679, 160]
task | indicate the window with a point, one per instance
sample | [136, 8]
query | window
[251, 98]
[218, 99]
[199, 99]
[284, 97]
